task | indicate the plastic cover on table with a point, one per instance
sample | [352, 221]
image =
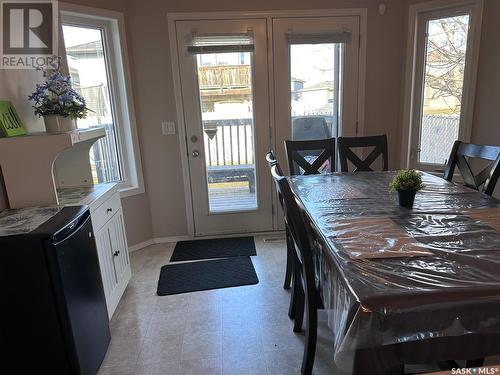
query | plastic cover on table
[391, 275]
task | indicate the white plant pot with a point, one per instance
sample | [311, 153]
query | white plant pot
[59, 124]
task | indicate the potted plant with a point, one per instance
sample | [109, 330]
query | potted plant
[57, 102]
[407, 182]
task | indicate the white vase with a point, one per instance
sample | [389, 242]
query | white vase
[58, 124]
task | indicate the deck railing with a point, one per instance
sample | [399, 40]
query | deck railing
[439, 132]
[229, 142]
[224, 76]
[104, 157]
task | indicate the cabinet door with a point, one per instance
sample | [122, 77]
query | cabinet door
[119, 245]
[127, 272]
[105, 253]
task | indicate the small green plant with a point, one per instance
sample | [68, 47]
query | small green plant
[407, 180]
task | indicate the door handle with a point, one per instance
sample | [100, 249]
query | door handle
[195, 153]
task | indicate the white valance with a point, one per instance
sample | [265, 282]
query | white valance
[318, 38]
[220, 43]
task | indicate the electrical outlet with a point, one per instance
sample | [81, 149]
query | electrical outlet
[168, 127]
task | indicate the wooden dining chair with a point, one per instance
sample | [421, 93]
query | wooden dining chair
[272, 161]
[308, 297]
[346, 144]
[460, 156]
[307, 157]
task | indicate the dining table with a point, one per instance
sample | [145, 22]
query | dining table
[399, 285]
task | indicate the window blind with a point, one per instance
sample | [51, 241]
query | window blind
[200, 44]
[318, 38]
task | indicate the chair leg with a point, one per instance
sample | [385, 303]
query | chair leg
[310, 336]
[289, 261]
[479, 362]
[299, 309]
[293, 301]
[299, 294]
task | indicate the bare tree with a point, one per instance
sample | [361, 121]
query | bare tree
[446, 51]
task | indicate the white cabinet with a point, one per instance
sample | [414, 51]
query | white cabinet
[59, 164]
[109, 229]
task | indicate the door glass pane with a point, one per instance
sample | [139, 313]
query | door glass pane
[316, 92]
[89, 75]
[226, 99]
[445, 52]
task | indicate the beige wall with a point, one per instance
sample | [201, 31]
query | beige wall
[486, 123]
[17, 85]
[161, 211]
[3, 194]
[135, 208]
[148, 34]
[153, 87]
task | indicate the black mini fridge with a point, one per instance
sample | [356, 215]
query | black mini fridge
[53, 312]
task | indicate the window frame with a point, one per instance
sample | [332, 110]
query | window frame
[115, 49]
[419, 14]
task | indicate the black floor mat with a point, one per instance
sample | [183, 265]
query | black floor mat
[209, 274]
[213, 248]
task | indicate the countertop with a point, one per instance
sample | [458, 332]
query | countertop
[25, 220]
[84, 195]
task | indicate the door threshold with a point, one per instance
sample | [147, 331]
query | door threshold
[239, 234]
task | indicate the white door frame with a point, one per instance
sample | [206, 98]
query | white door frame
[350, 75]
[269, 15]
[231, 220]
[410, 79]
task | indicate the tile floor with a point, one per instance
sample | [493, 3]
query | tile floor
[243, 330]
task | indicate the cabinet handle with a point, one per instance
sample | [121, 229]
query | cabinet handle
[109, 209]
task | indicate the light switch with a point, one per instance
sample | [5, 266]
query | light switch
[168, 127]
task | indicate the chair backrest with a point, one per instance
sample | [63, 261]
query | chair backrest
[346, 144]
[487, 177]
[307, 157]
[309, 128]
[271, 161]
[295, 222]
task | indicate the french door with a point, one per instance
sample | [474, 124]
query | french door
[224, 78]
[316, 74]
[247, 85]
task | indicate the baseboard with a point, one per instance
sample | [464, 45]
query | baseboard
[170, 239]
[140, 245]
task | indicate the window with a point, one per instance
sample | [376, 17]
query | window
[97, 66]
[439, 106]
[315, 92]
[315, 89]
[89, 73]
